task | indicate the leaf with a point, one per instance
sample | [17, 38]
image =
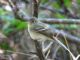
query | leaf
[68, 3]
[21, 26]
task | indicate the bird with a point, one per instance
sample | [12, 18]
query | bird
[33, 25]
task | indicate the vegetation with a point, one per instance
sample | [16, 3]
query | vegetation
[61, 16]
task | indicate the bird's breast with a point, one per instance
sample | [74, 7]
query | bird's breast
[37, 36]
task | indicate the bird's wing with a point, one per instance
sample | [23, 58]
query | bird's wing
[41, 26]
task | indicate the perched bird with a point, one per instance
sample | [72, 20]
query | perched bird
[35, 24]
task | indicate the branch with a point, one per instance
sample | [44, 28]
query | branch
[53, 10]
[39, 50]
[15, 8]
[66, 10]
[20, 15]
[47, 20]
[35, 8]
[59, 21]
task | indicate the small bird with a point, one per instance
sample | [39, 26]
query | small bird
[37, 25]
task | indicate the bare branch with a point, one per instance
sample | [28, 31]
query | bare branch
[64, 11]
[59, 21]
[51, 9]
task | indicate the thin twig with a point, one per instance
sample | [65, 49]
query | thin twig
[16, 52]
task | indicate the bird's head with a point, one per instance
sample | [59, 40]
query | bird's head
[32, 20]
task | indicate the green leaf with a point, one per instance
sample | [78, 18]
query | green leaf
[21, 26]
[68, 3]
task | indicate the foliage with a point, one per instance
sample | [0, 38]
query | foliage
[5, 46]
[11, 24]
